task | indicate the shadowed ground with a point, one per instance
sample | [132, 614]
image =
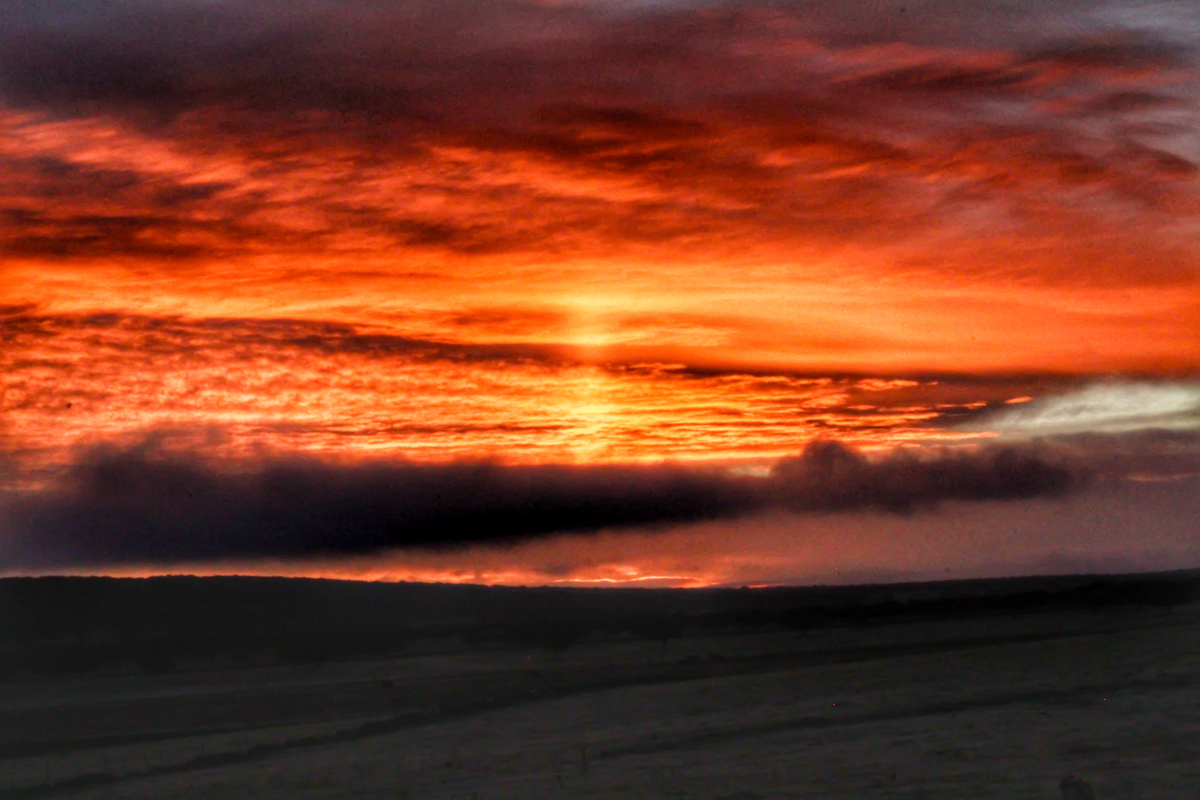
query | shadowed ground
[910, 701]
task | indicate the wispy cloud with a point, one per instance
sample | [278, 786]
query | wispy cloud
[1108, 407]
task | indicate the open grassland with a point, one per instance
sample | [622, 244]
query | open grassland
[992, 705]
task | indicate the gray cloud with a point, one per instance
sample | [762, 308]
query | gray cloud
[141, 505]
[831, 476]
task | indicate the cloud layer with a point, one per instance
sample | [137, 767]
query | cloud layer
[341, 391]
[500, 127]
[348, 255]
[139, 506]
[1110, 407]
[911, 177]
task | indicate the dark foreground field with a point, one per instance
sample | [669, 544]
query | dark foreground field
[249, 688]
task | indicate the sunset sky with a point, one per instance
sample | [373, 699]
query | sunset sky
[599, 292]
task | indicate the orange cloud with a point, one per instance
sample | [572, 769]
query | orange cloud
[580, 232]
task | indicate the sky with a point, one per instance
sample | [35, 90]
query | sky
[603, 292]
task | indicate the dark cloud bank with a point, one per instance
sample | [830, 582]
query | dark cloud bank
[131, 506]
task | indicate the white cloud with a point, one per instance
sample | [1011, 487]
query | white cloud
[1111, 407]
